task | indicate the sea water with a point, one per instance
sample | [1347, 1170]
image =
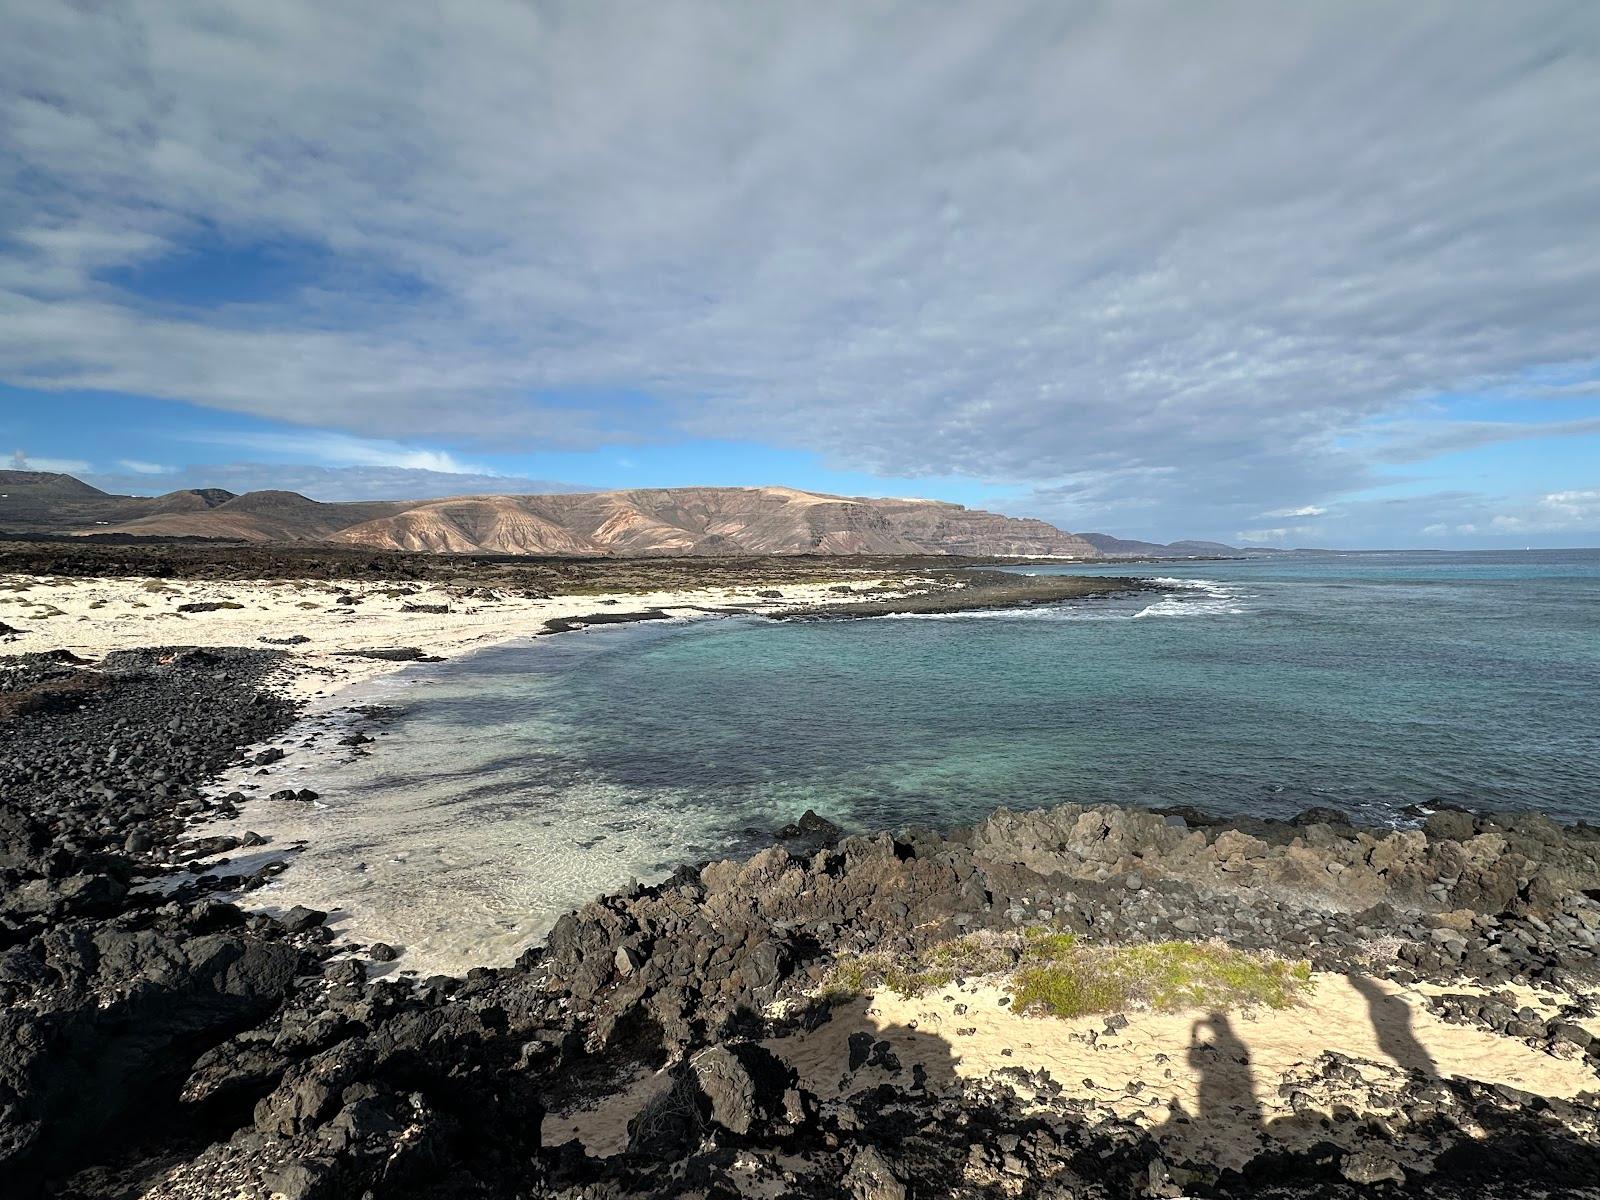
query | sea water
[522, 780]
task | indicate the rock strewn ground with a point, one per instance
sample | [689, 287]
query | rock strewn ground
[110, 988]
[171, 1045]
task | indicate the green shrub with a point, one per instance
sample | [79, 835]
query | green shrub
[1051, 972]
[1164, 976]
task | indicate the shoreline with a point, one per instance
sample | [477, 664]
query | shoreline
[342, 631]
[692, 1035]
[342, 636]
[335, 633]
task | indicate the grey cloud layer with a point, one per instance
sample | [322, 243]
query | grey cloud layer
[1191, 247]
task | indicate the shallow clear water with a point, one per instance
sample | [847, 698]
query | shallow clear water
[527, 778]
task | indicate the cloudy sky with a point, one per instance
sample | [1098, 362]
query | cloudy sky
[1312, 274]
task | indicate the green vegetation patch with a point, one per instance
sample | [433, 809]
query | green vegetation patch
[1074, 980]
[1051, 972]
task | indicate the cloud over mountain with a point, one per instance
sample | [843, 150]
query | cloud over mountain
[1200, 251]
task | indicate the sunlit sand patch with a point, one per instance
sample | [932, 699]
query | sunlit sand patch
[94, 616]
[1206, 1083]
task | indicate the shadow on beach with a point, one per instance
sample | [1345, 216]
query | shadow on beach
[938, 1131]
[1392, 1022]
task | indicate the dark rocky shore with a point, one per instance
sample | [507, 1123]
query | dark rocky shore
[155, 1040]
[974, 589]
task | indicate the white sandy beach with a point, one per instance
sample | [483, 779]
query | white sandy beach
[92, 617]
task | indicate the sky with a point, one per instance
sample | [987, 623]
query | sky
[1322, 274]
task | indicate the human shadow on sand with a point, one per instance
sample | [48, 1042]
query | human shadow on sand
[884, 1110]
[1392, 1022]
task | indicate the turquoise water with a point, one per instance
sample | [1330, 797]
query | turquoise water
[529, 777]
[1366, 682]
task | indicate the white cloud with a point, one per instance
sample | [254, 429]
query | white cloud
[1463, 519]
[1576, 509]
[1260, 536]
[1026, 242]
[343, 450]
[140, 467]
[1308, 510]
[1577, 506]
[1414, 440]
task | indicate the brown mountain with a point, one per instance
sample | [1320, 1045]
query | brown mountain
[262, 517]
[46, 502]
[641, 522]
[653, 521]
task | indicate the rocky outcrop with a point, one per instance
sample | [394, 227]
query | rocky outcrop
[103, 1018]
[109, 991]
[735, 936]
[1457, 860]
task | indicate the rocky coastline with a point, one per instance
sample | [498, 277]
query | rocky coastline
[157, 1040]
[976, 589]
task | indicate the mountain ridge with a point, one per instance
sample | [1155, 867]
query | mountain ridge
[50, 501]
[639, 522]
[1110, 546]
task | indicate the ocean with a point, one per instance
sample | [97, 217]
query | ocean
[524, 779]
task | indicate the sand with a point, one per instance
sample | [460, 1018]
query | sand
[92, 617]
[1208, 1085]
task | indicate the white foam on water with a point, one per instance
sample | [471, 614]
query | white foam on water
[1215, 599]
[461, 841]
[1197, 598]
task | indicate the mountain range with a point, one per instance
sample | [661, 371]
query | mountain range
[635, 522]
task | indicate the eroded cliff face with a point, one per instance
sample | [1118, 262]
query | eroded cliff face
[710, 521]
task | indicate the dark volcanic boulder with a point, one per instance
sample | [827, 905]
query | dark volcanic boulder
[810, 827]
[743, 1085]
[108, 1033]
